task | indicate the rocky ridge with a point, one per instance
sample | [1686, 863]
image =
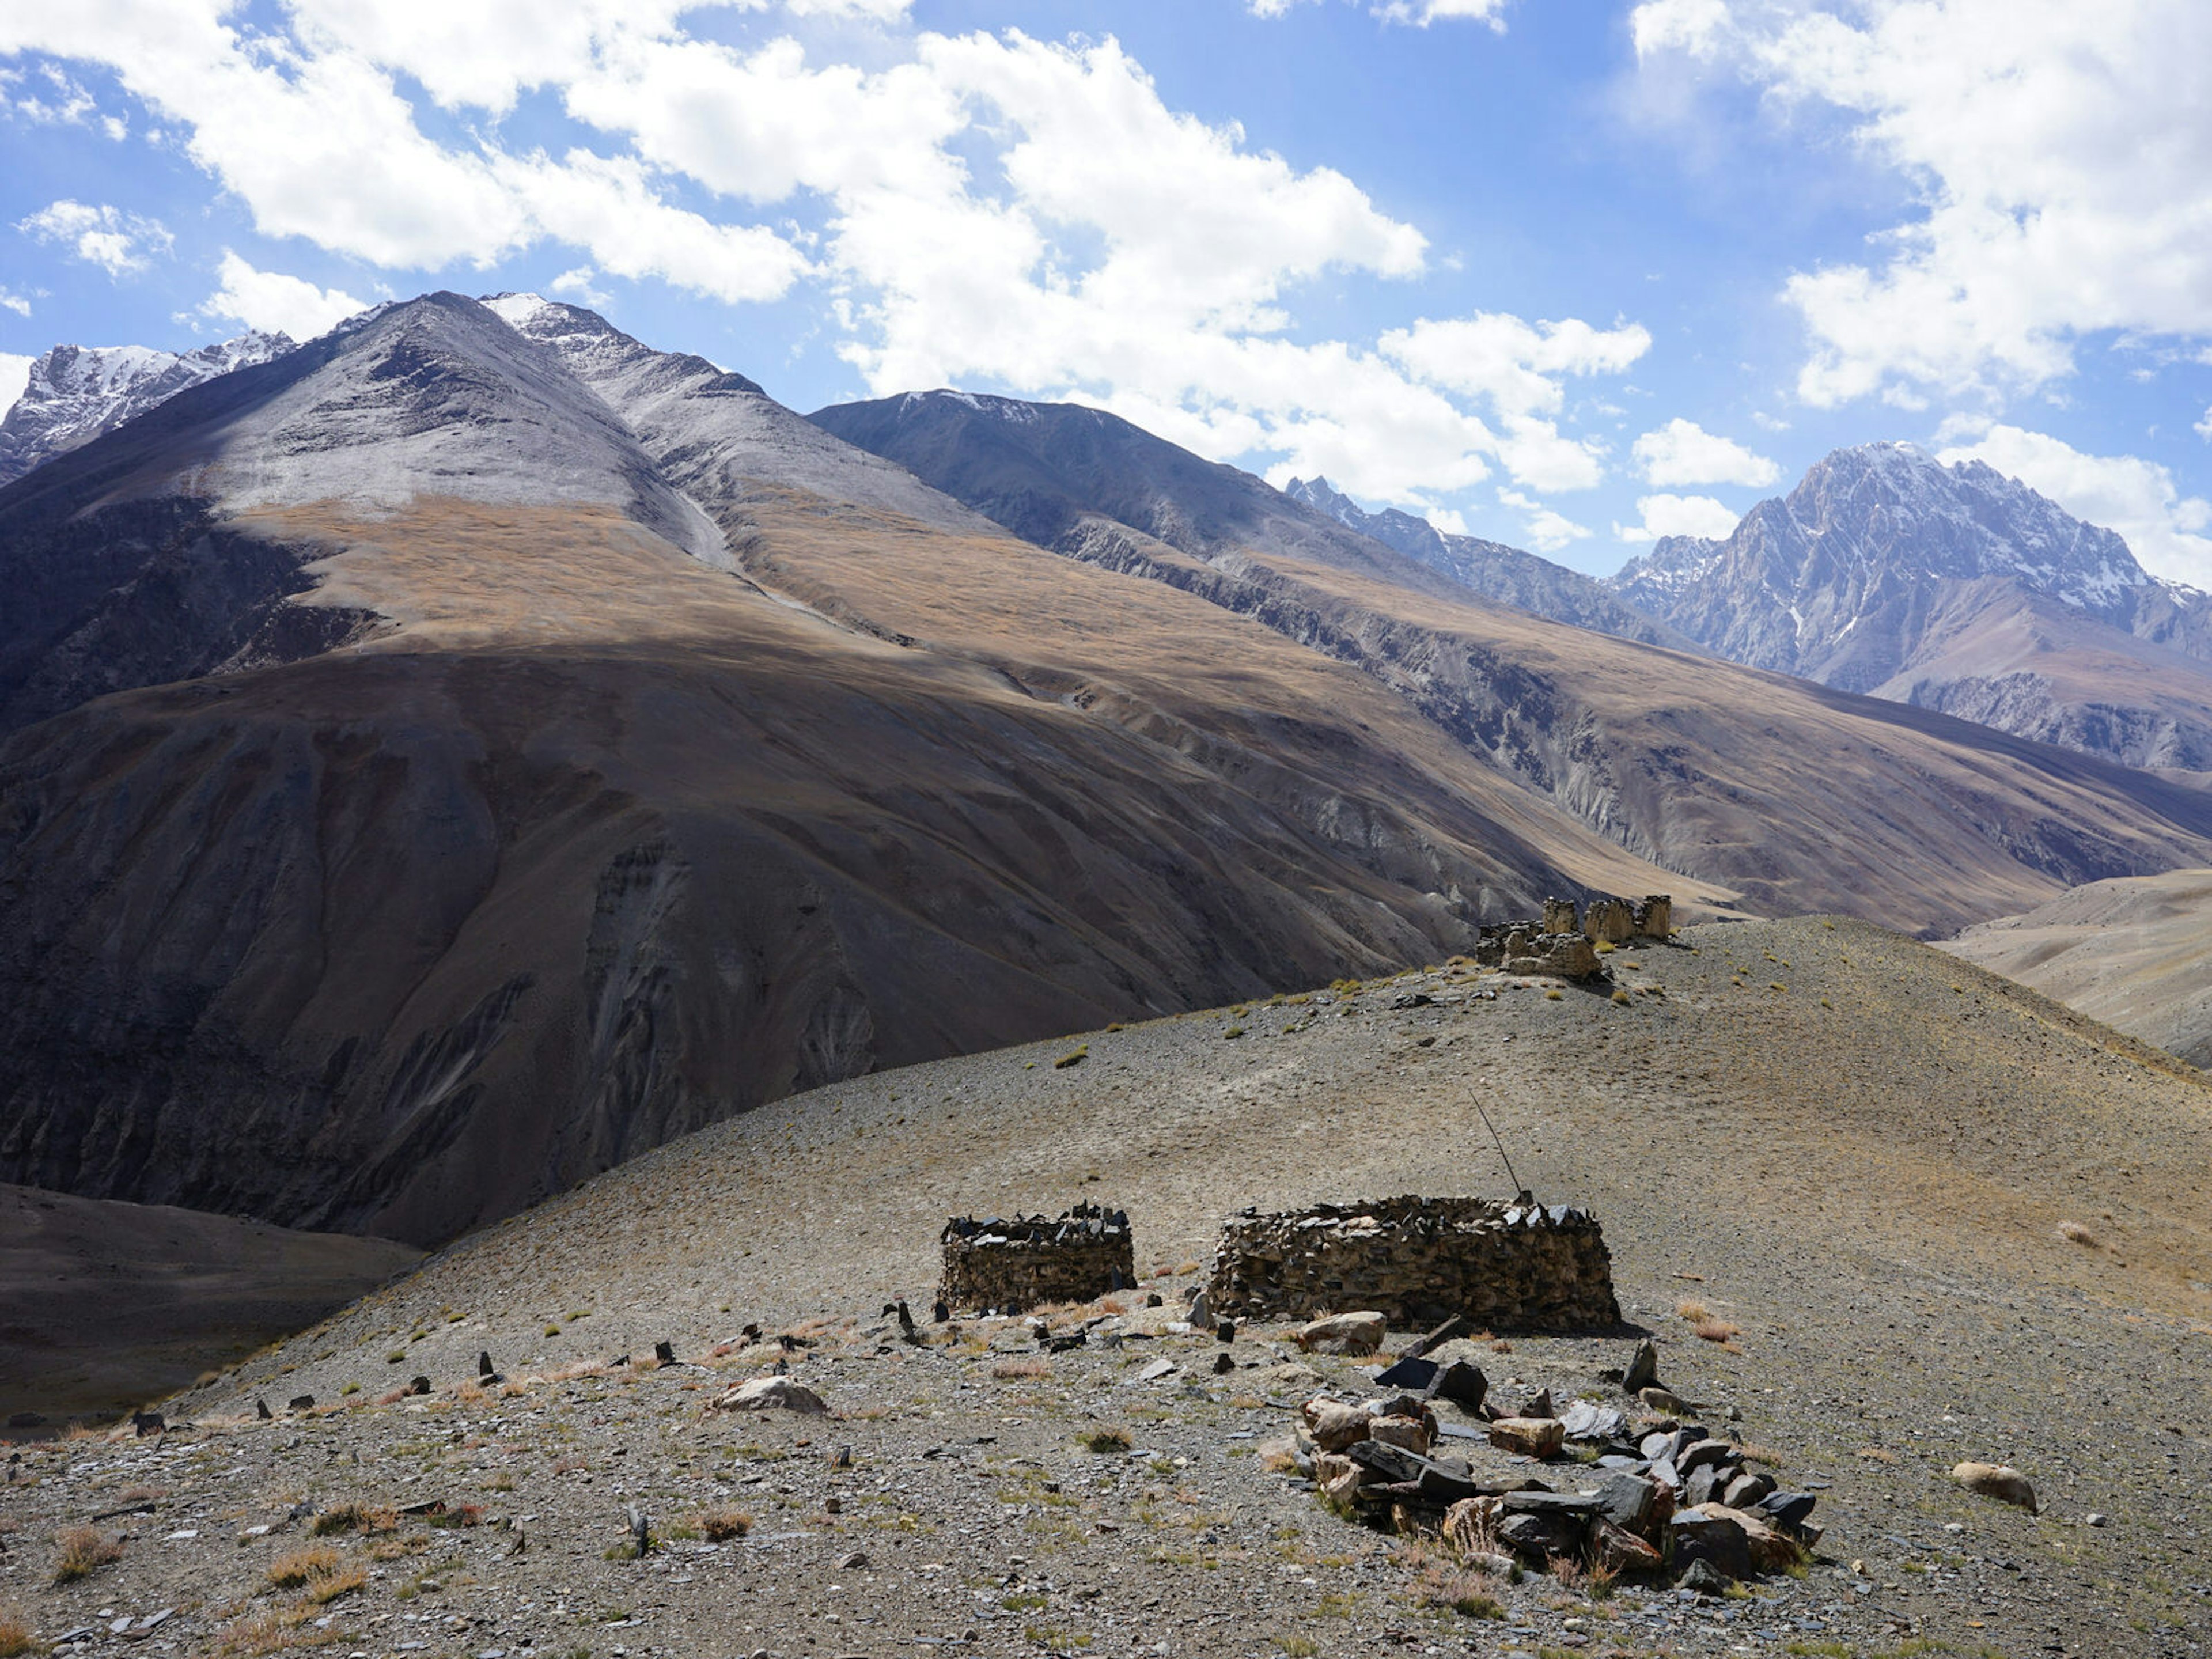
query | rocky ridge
[1507, 574]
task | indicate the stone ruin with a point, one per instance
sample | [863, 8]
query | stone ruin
[1502, 1266]
[1563, 942]
[1009, 1265]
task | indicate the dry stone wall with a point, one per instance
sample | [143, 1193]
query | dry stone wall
[1517, 1266]
[1012, 1264]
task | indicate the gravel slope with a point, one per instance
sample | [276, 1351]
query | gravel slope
[1864, 1170]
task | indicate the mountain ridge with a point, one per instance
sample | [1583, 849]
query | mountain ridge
[1507, 574]
[1889, 572]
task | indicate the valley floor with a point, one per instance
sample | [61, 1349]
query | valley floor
[1854, 1150]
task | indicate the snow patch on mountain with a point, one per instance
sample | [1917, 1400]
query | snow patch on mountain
[72, 393]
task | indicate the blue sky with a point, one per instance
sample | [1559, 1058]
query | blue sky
[1566, 275]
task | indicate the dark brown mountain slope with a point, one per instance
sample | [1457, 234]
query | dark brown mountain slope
[1798, 796]
[587, 838]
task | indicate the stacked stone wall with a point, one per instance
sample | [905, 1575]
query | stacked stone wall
[1017, 1264]
[1516, 1266]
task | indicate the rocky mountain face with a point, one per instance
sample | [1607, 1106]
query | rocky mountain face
[1494, 570]
[1787, 794]
[471, 749]
[76, 392]
[1889, 573]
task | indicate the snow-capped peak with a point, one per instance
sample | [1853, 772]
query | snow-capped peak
[517, 311]
[74, 393]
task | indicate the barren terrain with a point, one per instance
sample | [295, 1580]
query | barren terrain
[1852, 1148]
[2135, 953]
[103, 1303]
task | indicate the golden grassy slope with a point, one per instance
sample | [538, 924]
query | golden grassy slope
[2131, 952]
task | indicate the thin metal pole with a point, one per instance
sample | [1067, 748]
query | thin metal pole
[1500, 1144]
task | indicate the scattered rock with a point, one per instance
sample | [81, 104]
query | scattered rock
[1705, 1579]
[1583, 1421]
[1695, 1535]
[1335, 1424]
[1617, 1551]
[1531, 1437]
[1405, 1431]
[1463, 1384]
[1643, 1370]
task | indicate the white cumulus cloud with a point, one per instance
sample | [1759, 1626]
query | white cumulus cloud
[275, 303]
[1420, 13]
[1666, 514]
[2060, 155]
[14, 375]
[980, 209]
[1683, 452]
[120, 244]
[2138, 498]
[1547, 531]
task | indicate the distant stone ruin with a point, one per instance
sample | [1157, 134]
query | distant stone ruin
[1008, 1266]
[1562, 943]
[1516, 1266]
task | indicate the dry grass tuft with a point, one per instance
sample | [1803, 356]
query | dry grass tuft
[280, 1631]
[1695, 1312]
[719, 1526]
[293, 1570]
[2075, 1233]
[354, 1517]
[1462, 1592]
[1716, 1330]
[344, 1581]
[84, 1550]
[1105, 1440]
[15, 1637]
[1022, 1371]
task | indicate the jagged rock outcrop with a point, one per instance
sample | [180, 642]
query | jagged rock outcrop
[1953, 587]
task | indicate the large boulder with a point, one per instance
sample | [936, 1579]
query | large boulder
[1998, 1480]
[1716, 1540]
[769, 1394]
[1531, 1437]
[1336, 1424]
[1347, 1332]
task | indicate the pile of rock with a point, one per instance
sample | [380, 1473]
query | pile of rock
[1006, 1266]
[1563, 942]
[1522, 947]
[1667, 1498]
[1504, 1267]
